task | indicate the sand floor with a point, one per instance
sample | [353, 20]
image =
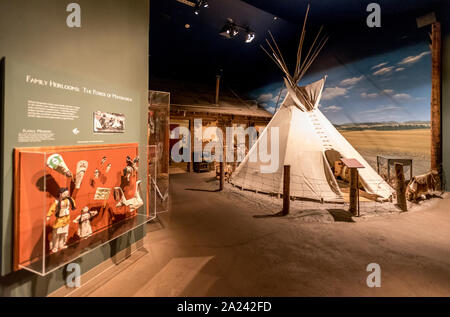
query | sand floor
[210, 244]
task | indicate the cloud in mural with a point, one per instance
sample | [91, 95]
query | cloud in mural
[379, 65]
[356, 89]
[332, 109]
[381, 109]
[351, 81]
[279, 97]
[366, 95]
[271, 109]
[265, 97]
[333, 92]
[413, 59]
[402, 96]
[384, 71]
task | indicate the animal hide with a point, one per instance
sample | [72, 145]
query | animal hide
[422, 185]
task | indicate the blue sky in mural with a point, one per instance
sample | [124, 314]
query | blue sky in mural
[394, 86]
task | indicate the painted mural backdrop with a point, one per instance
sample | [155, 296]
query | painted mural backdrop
[381, 104]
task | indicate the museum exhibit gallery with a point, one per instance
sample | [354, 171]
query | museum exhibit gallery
[223, 148]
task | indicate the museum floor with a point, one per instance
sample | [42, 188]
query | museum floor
[210, 245]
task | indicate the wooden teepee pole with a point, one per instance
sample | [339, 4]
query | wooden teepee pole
[301, 65]
[300, 46]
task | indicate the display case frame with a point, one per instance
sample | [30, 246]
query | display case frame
[158, 142]
[113, 213]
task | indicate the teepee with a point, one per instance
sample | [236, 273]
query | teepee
[308, 142]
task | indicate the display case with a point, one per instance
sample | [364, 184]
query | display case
[71, 200]
[159, 122]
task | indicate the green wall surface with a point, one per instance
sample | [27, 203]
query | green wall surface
[108, 53]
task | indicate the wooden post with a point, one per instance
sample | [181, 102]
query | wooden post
[389, 170]
[286, 189]
[223, 162]
[225, 145]
[191, 155]
[401, 187]
[354, 191]
[378, 164]
[216, 100]
[222, 176]
[436, 125]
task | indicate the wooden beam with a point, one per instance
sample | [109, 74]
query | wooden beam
[223, 126]
[286, 190]
[354, 191]
[400, 187]
[189, 3]
[436, 125]
[216, 100]
[204, 117]
[223, 162]
[222, 176]
[191, 155]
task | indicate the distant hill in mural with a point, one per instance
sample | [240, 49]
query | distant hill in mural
[384, 126]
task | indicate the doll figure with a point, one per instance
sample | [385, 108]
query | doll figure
[134, 203]
[81, 170]
[131, 168]
[84, 222]
[61, 209]
[135, 164]
[127, 172]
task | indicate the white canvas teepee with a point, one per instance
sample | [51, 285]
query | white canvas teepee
[308, 142]
[306, 139]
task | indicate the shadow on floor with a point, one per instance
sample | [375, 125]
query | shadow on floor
[203, 190]
[340, 215]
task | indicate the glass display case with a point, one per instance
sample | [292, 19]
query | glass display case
[71, 200]
[158, 125]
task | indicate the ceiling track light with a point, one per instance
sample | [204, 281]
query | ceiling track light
[200, 4]
[231, 29]
[250, 37]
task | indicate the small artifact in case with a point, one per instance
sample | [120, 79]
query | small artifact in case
[61, 209]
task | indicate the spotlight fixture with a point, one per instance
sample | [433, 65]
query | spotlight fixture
[200, 4]
[231, 29]
[250, 37]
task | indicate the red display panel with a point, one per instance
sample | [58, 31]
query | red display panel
[101, 181]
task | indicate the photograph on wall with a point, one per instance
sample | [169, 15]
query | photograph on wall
[107, 122]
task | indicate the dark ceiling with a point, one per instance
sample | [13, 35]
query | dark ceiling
[197, 54]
